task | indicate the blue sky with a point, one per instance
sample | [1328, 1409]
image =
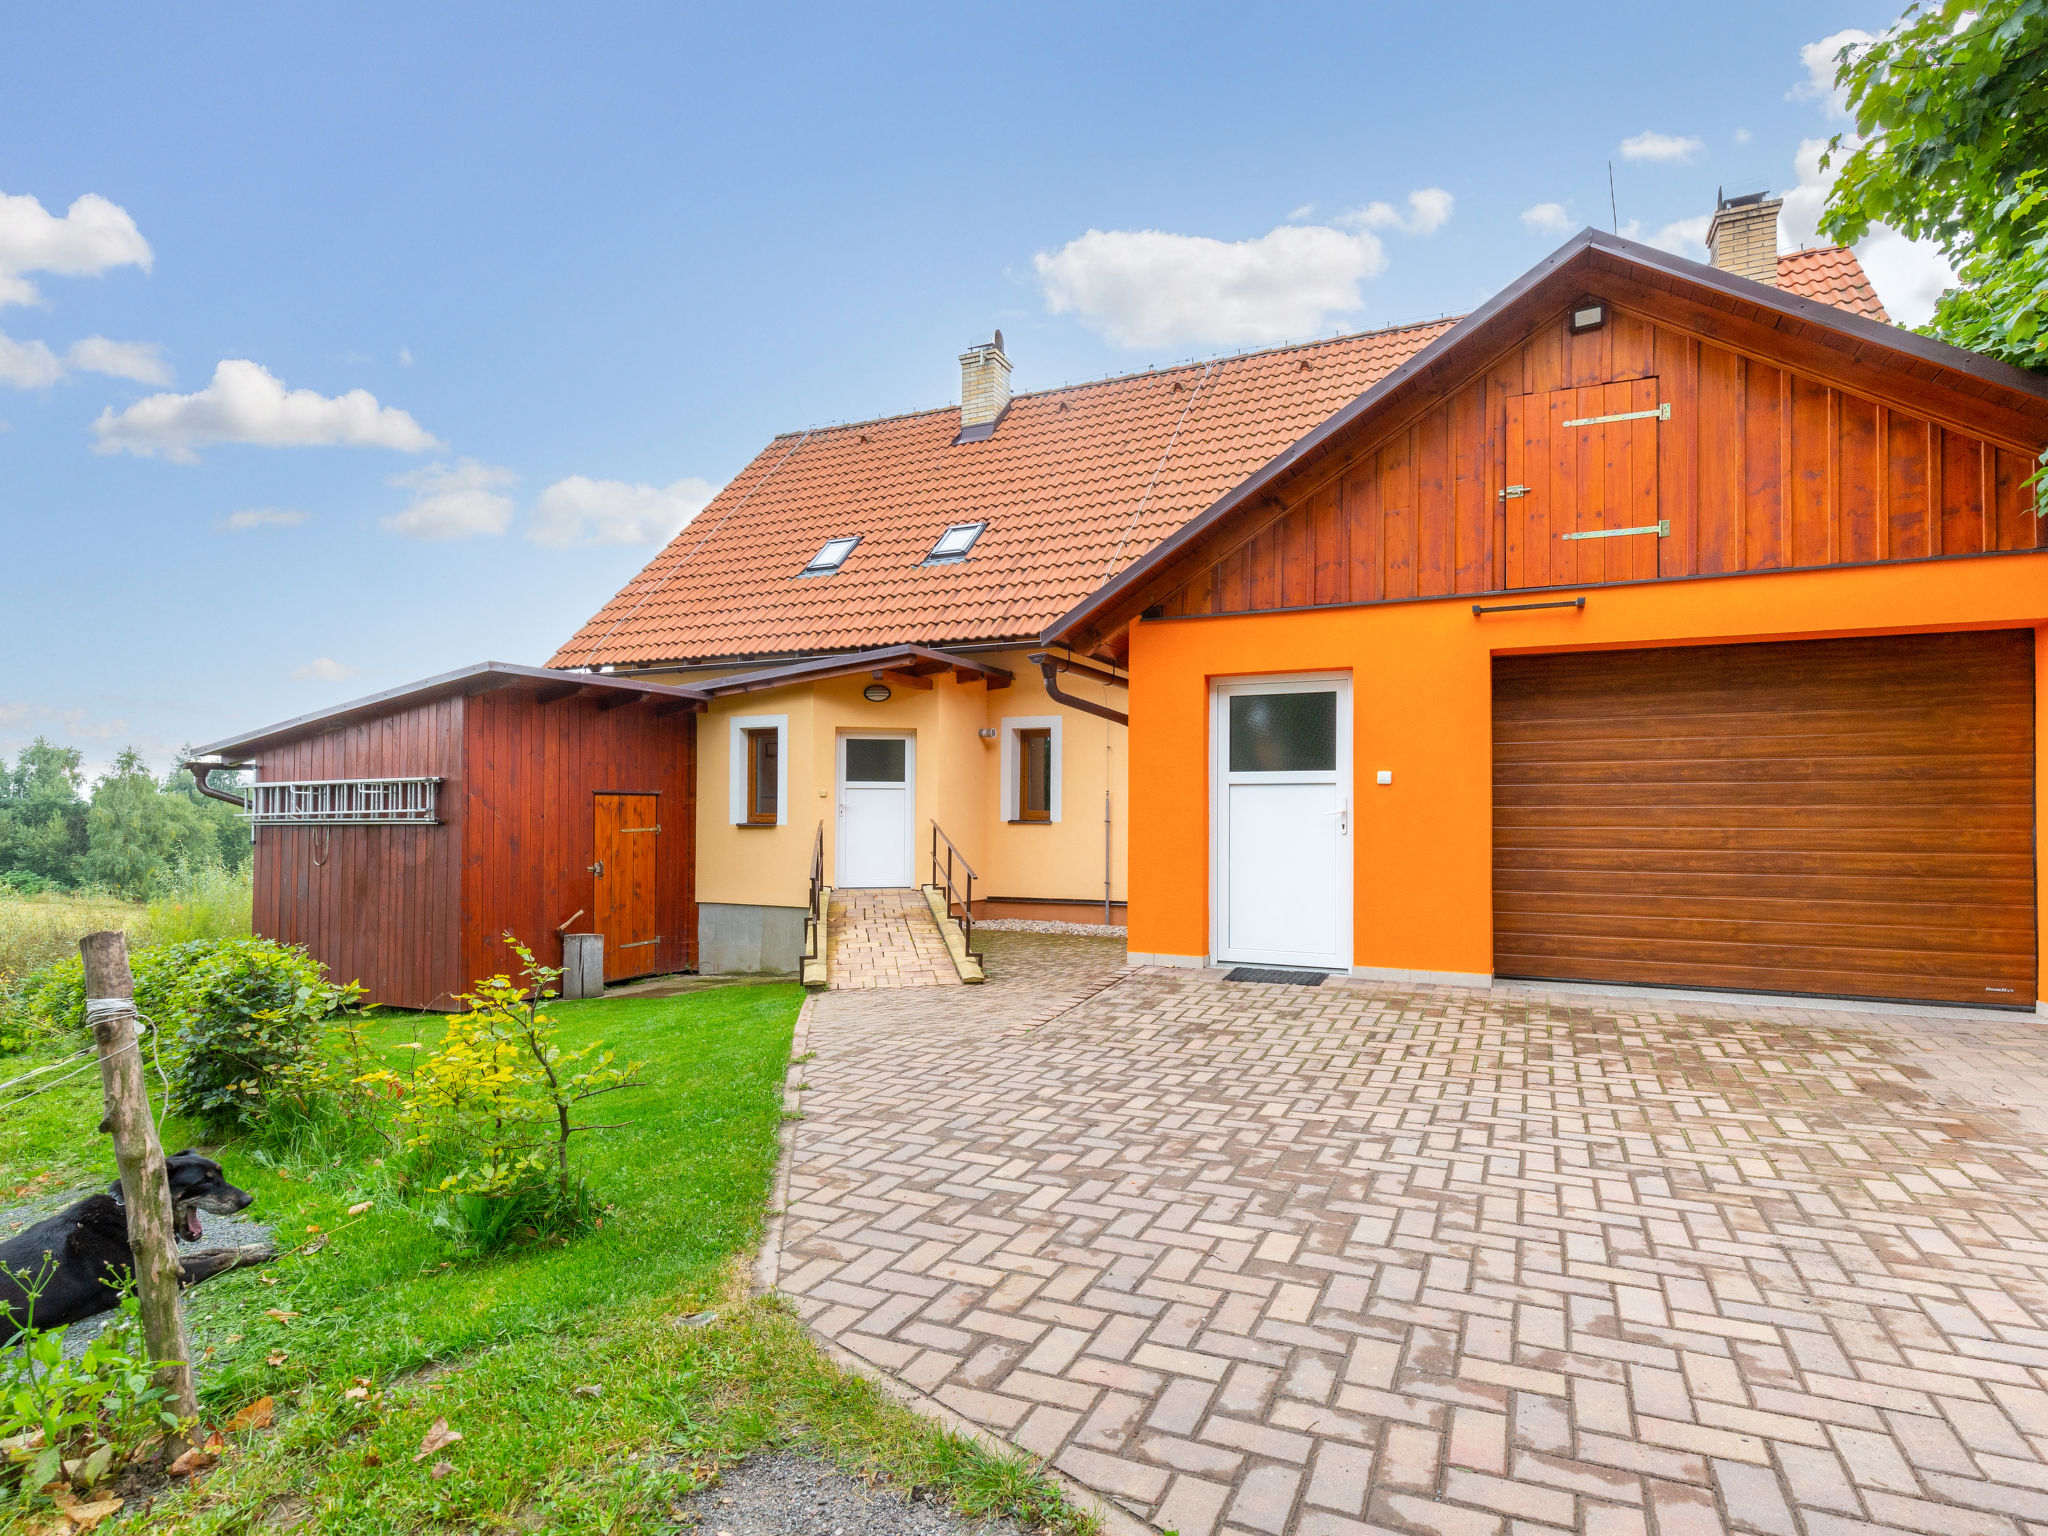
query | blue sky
[389, 339]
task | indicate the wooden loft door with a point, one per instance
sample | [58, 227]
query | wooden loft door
[1580, 502]
[628, 847]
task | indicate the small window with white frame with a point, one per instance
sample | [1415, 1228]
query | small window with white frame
[831, 556]
[759, 765]
[1031, 769]
[954, 543]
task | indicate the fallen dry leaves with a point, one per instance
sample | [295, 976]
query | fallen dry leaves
[438, 1437]
[258, 1415]
[276, 1357]
[440, 1469]
[83, 1517]
[359, 1208]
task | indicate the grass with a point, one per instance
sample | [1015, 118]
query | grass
[584, 1401]
[200, 902]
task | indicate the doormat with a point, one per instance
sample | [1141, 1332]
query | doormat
[1278, 978]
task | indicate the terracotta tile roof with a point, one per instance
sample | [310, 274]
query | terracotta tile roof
[1075, 484]
[1833, 275]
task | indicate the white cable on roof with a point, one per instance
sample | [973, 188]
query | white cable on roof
[1157, 470]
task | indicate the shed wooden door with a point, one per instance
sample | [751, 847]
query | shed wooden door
[1574, 471]
[1840, 817]
[628, 845]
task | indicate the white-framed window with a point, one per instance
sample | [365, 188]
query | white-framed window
[954, 543]
[831, 556]
[759, 770]
[1031, 768]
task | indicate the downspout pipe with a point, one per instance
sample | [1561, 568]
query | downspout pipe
[1051, 666]
[201, 770]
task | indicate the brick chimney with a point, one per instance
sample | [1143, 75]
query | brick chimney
[984, 390]
[1743, 237]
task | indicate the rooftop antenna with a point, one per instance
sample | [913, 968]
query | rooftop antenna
[1613, 207]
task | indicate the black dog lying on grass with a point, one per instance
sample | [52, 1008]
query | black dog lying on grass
[76, 1261]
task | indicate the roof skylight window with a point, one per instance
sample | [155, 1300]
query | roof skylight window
[954, 543]
[831, 557]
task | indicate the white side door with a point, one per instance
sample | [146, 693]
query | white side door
[877, 790]
[1281, 777]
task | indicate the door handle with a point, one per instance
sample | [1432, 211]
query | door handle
[597, 868]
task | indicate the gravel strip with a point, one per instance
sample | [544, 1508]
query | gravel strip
[787, 1494]
[1046, 925]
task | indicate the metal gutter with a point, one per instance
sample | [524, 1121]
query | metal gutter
[1050, 668]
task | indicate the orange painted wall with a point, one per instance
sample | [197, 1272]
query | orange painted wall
[1422, 695]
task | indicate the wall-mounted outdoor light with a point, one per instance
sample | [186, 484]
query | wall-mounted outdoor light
[876, 693]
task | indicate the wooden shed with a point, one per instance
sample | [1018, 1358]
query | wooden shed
[400, 837]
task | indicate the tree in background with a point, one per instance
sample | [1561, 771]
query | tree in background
[130, 836]
[42, 816]
[1951, 144]
[135, 829]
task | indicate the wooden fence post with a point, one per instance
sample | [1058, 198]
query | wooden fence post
[145, 1186]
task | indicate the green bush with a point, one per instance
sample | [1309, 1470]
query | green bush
[74, 1423]
[248, 1014]
[239, 1017]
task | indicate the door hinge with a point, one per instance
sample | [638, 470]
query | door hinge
[1516, 490]
[597, 868]
[640, 943]
[1661, 528]
[655, 828]
[1662, 413]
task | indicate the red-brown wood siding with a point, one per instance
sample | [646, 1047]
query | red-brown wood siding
[1760, 467]
[536, 770]
[417, 914]
[379, 905]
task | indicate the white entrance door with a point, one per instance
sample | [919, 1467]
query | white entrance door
[877, 789]
[1282, 822]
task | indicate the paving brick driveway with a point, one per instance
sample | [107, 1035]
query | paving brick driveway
[1266, 1259]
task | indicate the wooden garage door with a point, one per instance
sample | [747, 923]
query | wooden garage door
[1844, 817]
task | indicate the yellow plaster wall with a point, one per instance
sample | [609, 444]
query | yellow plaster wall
[958, 783]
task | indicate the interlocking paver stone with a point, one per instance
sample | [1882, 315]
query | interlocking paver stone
[1363, 1258]
[885, 938]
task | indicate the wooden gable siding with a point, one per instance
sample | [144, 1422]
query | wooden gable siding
[379, 905]
[535, 772]
[1759, 468]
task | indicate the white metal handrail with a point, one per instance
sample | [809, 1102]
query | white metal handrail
[328, 802]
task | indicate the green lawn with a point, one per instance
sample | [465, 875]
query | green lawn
[501, 1346]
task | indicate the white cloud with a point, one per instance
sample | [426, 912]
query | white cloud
[1429, 209]
[453, 501]
[323, 669]
[1681, 237]
[246, 403]
[1548, 219]
[1743, 135]
[1147, 288]
[405, 357]
[1819, 61]
[28, 364]
[142, 361]
[92, 236]
[1301, 213]
[261, 517]
[1663, 148]
[32, 365]
[579, 511]
[1909, 275]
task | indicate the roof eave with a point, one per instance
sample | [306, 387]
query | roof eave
[480, 677]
